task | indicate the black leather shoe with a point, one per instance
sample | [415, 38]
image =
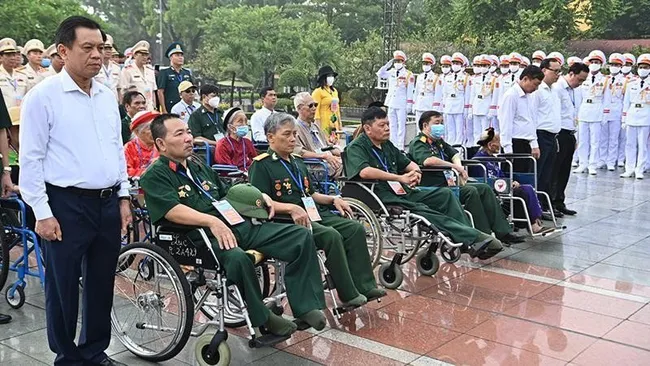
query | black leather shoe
[566, 211]
[558, 212]
[511, 238]
[4, 319]
[110, 362]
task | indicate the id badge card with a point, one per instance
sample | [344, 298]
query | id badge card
[451, 179]
[310, 207]
[218, 136]
[396, 187]
[228, 212]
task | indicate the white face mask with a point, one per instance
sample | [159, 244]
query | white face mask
[504, 69]
[330, 80]
[614, 69]
[426, 68]
[476, 70]
[626, 69]
[643, 73]
[455, 68]
[398, 66]
[536, 63]
[485, 69]
[513, 68]
[492, 68]
[594, 67]
[445, 69]
[214, 102]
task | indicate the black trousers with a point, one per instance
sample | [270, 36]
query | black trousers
[547, 154]
[89, 248]
[521, 146]
[562, 168]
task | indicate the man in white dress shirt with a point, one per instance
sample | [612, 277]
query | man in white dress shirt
[187, 104]
[73, 174]
[517, 118]
[269, 100]
[548, 123]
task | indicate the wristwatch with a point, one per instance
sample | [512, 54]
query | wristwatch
[6, 169]
[335, 197]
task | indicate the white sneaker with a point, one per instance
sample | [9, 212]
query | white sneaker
[627, 175]
[611, 168]
[580, 169]
[574, 164]
[621, 165]
[639, 176]
[592, 171]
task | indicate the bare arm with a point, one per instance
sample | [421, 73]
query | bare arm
[371, 173]
[161, 100]
[185, 215]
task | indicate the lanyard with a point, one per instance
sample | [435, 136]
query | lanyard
[572, 96]
[141, 156]
[243, 144]
[210, 117]
[198, 185]
[298, 180]
[440, 151]
[384, 163]
[189, 108]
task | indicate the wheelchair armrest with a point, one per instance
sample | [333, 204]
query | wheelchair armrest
[282, 218]
[172, 226]
[365, 181]
[489, 159]
[515, 155]
[425, 169]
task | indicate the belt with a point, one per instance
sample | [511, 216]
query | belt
[570, 132]
[95, 193]
[545, 132]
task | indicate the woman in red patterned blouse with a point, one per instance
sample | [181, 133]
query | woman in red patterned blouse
[140, 151]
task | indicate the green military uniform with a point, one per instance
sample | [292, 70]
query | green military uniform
[168, 80]
[126, 129]
[204, 123]
[440, 207]
[343, 240]
[166, 185]
[478, 198]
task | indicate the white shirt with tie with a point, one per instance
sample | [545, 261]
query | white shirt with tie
[257, 123]
[69, 139]
[517, 118]
[184, 110]
[548, 109]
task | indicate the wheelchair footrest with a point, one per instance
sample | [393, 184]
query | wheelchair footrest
[267, 340]
[378, 298]
[344, 309]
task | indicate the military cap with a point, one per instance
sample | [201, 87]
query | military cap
[445, 60]
[597, 55]
[515, 57]
[504, 59]
[644, 59]
[173, 48]
[525, 61]
[8, 45]
[399, 55]
[572, 60]
[629, 58]
[109, 40]
[428, 57]
[557, 56]
[458, 57]
[248, 201]
[142, 46]
[616, 58]
[33, 45]
[51, 51]
[539, 55]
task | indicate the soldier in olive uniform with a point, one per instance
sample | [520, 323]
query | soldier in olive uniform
[170, 78]
[284, 177]
[13, 83]
[187, 192]
[429, 149]
[372, 156]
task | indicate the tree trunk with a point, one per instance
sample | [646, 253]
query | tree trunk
[232, 90]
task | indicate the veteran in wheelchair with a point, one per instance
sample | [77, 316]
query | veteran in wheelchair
[285, 178]
[429, 149]
[184, 191]
[371, 156]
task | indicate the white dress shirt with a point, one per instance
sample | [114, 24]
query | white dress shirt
[184, 110]
[569, 101]
[69, 139]
[548, 109]
[517, 118]
[257, 123]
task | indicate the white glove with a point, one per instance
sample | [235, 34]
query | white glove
[409, 108]
[623, 126]
[388, 64]
[470, 115]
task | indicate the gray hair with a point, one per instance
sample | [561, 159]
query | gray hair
[277, 120]
[300, 99]
[142, 127]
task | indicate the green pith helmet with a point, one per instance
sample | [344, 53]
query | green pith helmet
[247, 201]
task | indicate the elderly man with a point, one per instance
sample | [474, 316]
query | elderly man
[372, 157]
[284, 177]
[139, 152]
[187, 105]
[269, 100]
[133, 102]
[310, 139]
[185, 191]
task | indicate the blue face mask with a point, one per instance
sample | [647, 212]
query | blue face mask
[437, 131]
[46, 62]
[242, 131]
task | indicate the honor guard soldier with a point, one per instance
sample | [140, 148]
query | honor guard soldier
[427, 94]
[481, 89]
[110, 72]
[56, 62]
[593, 113]
[35, 72]
[626, 70]
[445, 65]
[611, 130]
[636, 117]
[399, 98]
[557, 56]
[455, 99]
[509, 76]
[140, 74]
[494, 65]
[170, 78]
[13, 83]
[284, 177]
[538, 57]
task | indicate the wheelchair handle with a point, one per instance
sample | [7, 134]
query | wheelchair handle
[479, 159]
[515, 155]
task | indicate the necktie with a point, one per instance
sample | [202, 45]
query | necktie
[593, 79]
[513, 78]
[642, 81]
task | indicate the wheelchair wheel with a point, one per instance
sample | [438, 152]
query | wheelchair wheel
[427, 262]
[450, 254]
[4, 261]
[390, 276]
[152, 319]
[18, 299]
[201, 349]
[367, 218]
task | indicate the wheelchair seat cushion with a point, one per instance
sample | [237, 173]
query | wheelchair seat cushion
[394, 210]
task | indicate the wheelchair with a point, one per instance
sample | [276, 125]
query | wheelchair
[398, 235]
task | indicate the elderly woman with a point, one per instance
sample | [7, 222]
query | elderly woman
[284, 177]
[140, 151]
[235, 148]
[328, 114]
[490, 143]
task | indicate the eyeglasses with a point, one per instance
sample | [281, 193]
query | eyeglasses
[311, 105]
[557, 71]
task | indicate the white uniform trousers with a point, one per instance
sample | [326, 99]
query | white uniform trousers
[609, 143]
[397, 122]
[636, 148]
[621, 147]
[479, 124]
[494, 123]
[454, 129]
[589, 143]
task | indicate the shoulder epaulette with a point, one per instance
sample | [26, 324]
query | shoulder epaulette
[296, 156]
[423, 138]
[20, 68]
[261, 156]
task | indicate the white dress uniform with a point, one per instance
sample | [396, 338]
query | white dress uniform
[13, 86]
[144, 80]
[427, 93]
[636, 117]
[481, 91]
[626, 70]
[455, 102]
[611, 130]
[34, 75]
[110, 76]
[399, 99]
